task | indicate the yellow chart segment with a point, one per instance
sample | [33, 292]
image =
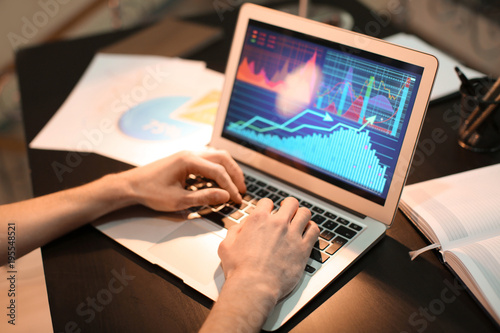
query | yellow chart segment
[204, 109]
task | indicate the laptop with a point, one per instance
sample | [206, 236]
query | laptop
[308, 110]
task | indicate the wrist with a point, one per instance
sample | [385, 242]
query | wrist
[257, 284]
[118, 190]
[244, 304]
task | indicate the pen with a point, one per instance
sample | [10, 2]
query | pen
[465, 82]
[494, 90]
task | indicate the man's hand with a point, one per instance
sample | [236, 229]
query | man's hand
[263, 260]
[270, 249]
[160, 185]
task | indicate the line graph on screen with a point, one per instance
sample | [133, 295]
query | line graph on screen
[357, 90]
[333, 82]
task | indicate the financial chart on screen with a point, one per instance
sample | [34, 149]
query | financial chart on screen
[341, 113]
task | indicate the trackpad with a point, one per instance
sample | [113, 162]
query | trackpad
[192, 251]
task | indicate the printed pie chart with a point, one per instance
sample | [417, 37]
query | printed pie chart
[151, 120]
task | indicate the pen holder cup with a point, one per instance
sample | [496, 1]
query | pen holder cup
[486, 137]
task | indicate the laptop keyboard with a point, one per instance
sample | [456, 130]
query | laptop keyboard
[335, 231]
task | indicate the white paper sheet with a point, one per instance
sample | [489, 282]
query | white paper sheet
[136, 109]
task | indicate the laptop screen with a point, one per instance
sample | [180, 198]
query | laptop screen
[336, 112]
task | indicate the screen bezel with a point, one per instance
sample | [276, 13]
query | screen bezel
[381, 212]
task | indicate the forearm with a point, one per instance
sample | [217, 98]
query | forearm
[43, 219]
[242, 306]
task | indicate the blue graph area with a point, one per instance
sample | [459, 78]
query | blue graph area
[354, 159]
[151, 120]
[357, 89]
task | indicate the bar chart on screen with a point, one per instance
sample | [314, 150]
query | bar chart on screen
[355, 159]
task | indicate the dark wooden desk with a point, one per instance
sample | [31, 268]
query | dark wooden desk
[95, 285]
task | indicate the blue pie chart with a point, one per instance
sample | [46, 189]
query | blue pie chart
[151, 120]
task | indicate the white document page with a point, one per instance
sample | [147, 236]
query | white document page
[136, 109]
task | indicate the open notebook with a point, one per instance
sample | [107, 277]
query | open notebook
[460, 215]
[326, 115]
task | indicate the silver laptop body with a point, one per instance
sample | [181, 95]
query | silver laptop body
[326, 115]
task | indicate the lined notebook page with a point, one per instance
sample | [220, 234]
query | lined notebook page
[479, 263]
[458, 207]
